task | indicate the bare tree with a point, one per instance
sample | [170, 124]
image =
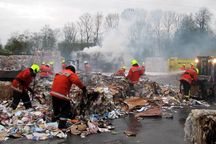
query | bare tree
[36, 40]
[156, 24]
[86, 26]
[70, 32]
[170, 20]
[97, 24]
[112, 21]
[81, 31]
[137, 31]
[49, 37]
[202, 18]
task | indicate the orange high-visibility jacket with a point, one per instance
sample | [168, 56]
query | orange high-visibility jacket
[26, 78]
[45, 71]
[120, 72]
[62, 84]
[186, 77]
[189, 75]
[134, 74]
[182, 68]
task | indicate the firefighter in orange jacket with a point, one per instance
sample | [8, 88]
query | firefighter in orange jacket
[186, 80]
[134, 74]
[45, 71]
[60, 91]
[182, 67]
[192, 66]
[121, 71]
[20, 86]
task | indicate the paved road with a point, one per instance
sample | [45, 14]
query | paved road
[149, 130]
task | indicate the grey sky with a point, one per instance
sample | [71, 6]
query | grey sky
[32, 15]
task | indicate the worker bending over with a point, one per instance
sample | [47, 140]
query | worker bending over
[20, 86]
[60, 94]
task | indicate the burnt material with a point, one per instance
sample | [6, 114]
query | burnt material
[209, 130]
[87, 101]
[8, 75]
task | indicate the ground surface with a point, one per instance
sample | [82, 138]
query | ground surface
[149, 130]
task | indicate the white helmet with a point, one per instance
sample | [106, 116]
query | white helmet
[85, 62]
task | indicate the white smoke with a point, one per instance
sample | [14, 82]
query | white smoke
[57, 67]
[114, 45]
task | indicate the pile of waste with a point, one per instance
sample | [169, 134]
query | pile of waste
[200, 127]
[108, 98]
[16, 62]
[5, 90]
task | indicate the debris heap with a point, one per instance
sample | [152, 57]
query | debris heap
[200, 127]
[113, 101]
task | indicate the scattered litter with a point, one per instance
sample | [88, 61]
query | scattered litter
[112, 102]
[130, 133]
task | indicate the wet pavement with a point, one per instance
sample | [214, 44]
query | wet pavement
[149, 131]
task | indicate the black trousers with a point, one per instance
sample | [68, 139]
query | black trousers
[61, 110]
[132, 89]
[17, 96]
[186, 87]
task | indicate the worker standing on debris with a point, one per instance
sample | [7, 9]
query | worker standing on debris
[192, 66]
[60, 91]
[45, 71]
[20, 86]
[189, 77]
[121, 71]
[87, 67]
[42, 67]
[134, 74]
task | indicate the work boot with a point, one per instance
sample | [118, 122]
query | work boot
[54, 119]
[62, 125]
[28, 106]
